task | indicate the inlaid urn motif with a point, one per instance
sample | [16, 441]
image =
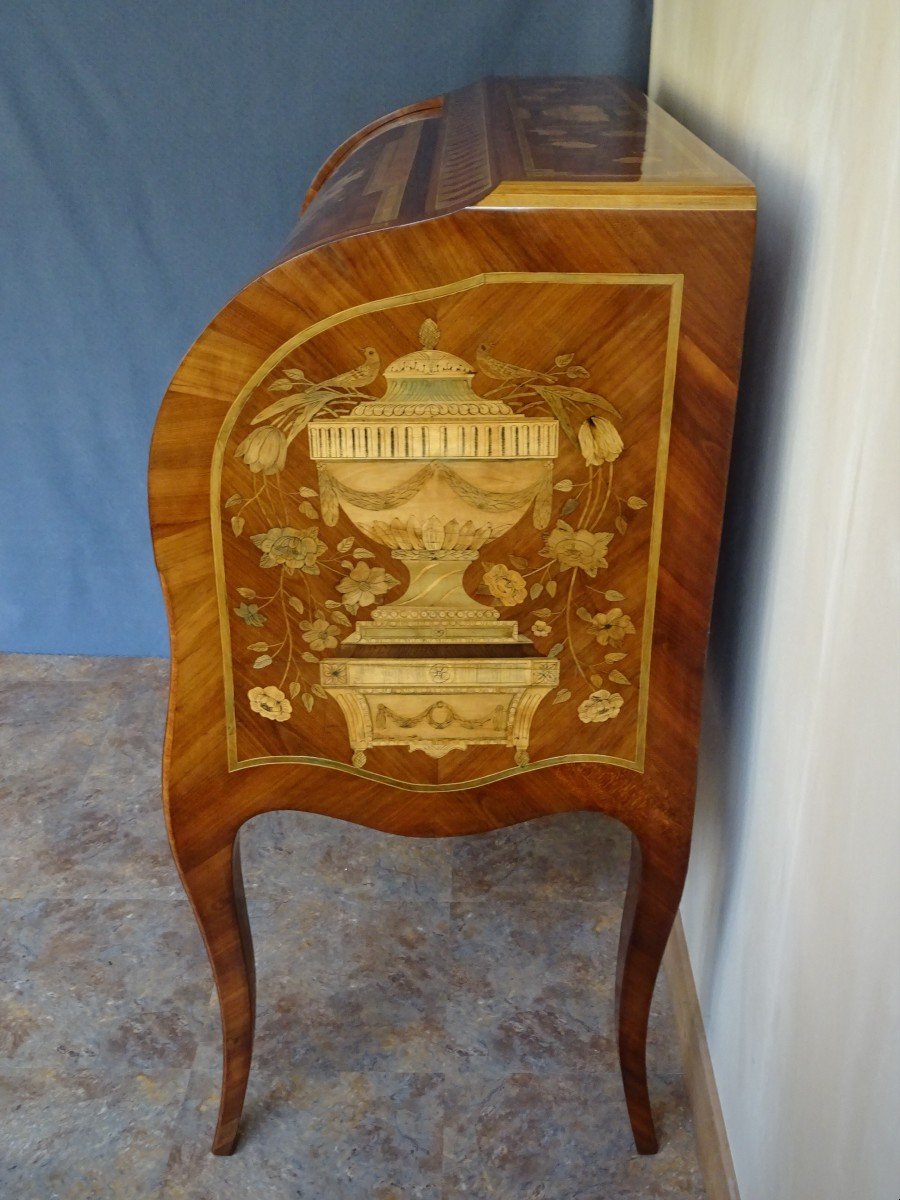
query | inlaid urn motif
[434, 472]
[419, 551]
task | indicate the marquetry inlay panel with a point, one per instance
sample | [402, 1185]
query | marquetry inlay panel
[437, 516]
[579, 129]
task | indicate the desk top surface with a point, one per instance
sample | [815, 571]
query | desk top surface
[517, 143]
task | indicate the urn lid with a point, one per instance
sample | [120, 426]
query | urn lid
[429, 382]
[430, 410]
[429, 362]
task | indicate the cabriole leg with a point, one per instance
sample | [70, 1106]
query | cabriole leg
[215, 887]
[655, 885]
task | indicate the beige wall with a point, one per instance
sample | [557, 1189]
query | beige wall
[792, 909]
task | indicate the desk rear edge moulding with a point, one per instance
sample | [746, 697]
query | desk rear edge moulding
[436, 502]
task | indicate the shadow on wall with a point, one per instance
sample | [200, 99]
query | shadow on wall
[785, 233]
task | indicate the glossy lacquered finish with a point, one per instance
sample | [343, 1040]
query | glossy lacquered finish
[436, 502]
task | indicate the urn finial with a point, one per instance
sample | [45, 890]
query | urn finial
[429, 334]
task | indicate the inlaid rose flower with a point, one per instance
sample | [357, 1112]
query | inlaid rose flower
[599, 441]
[264, 450]
[578, 548]
[293, 549]
[364, 584]
[270, 702]
[251, 614]
[611, 627]
[505, 585]
[540, 629]
[320, 634]
[600, 706]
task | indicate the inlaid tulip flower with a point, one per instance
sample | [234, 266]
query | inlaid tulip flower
[599, 441]
[264, 450]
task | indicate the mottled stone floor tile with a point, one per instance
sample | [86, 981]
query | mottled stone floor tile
[33, 714]
[50, 735]
[52, 705]
[76, 668]
[347, 1136]
[532, 984]
[87, 844]
[102, 982]
[280, 848]
[129, 757]
[521, 1136]
[43, 761]
[81, 788]
[350, 986]
[80, 1134]
[435, 1017]
[571, 856]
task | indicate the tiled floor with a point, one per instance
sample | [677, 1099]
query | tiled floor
[435, 1017]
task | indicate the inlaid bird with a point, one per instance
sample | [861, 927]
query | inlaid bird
[315, 395]
[494, 368]
[357, 377]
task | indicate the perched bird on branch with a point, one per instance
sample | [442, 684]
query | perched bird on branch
[357, 377]
[494, 368]
[314, 396]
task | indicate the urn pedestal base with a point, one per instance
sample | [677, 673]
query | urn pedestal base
[437, 705]
[436, 607]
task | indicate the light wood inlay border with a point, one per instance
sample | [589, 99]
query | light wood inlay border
[573, 194]
[675, 283]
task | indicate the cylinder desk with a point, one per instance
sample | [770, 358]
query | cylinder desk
[436, 501]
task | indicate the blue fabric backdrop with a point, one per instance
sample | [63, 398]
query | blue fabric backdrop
[152, 155]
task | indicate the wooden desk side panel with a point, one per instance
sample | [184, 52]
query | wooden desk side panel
[712, 252]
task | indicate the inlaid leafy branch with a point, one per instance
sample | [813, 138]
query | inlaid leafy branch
[309, 627]
[574, 553]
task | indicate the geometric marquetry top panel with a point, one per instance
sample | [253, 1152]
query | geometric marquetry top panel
[525, 141]
[602, 130]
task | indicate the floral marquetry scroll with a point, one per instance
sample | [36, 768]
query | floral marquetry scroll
[437, 521]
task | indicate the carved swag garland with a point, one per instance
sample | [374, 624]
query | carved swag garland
[291, 541]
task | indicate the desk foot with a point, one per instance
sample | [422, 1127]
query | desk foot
[215, 887]
[655, 885]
